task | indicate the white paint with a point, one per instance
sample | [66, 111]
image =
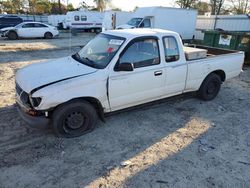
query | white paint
[182, 21]
[31, 32]
[125, 89]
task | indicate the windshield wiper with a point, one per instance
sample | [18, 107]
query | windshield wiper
[85, 61]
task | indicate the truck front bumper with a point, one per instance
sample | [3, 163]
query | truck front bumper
[39, 122]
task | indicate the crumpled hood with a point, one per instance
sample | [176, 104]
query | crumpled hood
[7, 28]
[40, 74]
[125, 26]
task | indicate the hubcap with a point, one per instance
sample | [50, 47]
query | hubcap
[211, 88]
[75, 120]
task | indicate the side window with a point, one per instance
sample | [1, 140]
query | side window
[77, 18]
[39, 25]
[83, 18]
[171, 49]
[28, 25]
[142, 53]
[147, 23]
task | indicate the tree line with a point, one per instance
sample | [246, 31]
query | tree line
[216, 7]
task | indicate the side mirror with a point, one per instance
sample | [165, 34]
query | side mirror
[125, 67]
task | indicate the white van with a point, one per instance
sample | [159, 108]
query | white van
[114, 18]
[182, 21]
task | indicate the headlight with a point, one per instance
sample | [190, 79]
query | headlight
[35, 101]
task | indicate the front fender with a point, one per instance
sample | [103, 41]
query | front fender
[59, 93]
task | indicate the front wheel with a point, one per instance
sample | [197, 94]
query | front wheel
[210, 87]
[48, 35]
[74, 119]
[12, 35]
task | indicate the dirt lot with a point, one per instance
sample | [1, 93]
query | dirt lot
[182, 142]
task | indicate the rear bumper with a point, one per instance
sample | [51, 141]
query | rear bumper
[39, 122]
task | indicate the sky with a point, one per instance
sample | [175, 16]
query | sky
[128, 5]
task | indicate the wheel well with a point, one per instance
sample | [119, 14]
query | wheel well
[48, 33]
[12, 31]
[95, 102]
[221, 74]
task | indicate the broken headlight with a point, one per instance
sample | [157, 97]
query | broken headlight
[35, 101]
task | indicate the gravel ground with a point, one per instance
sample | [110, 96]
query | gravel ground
[181, 142]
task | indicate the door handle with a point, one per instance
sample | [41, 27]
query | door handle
[158, 73]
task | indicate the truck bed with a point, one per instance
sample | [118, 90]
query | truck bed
[228, 61]
[211, 51]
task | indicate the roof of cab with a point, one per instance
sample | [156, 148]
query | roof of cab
[132, 33]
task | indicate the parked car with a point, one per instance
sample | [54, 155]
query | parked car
[30, 30]
[9, 21]
[116, 70]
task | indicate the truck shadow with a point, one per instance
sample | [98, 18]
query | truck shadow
[150, 146]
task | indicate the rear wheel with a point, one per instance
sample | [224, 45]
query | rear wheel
[48, 35]
[74, 119]
[12, 35]
[210, 87]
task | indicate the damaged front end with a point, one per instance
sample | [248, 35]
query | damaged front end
[25, 104]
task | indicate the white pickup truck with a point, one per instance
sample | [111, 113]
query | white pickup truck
[116, 70]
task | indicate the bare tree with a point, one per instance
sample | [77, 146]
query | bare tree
[216, 6]
[185, 3]
[101, 4]
[239, 6]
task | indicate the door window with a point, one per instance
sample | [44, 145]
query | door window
[171, 49]
[142, 53]
[147, 23]
[40, 25]
[28, 25]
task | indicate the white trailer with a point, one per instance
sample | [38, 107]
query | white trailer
[56, 20]
[114, 18]
[83, 20]
[182, 21]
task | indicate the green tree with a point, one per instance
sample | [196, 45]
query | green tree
[55, 9]
[70, 7]
[43, 7]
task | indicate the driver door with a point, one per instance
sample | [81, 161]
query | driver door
[145, 83]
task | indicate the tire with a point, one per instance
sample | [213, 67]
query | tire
[12, 35]
[210, 87]
[48, 35]
[74, 119]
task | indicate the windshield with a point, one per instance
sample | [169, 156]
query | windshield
[135, 21]
[99, 51]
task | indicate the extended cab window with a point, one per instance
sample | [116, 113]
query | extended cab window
[171, 49]
[142, 53]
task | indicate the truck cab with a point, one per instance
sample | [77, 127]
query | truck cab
[146, 22]
[116, 70]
